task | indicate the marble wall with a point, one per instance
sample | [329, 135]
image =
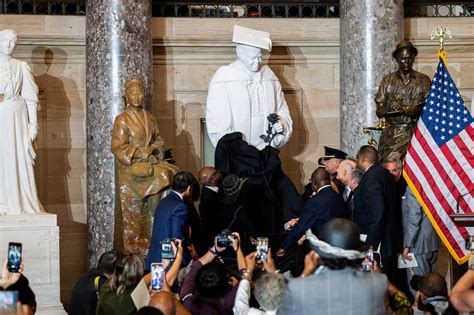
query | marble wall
[186, 54]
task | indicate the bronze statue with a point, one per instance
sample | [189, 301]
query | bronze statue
[142, 173]
[400, 100]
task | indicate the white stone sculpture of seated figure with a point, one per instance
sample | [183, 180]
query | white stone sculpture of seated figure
[18, 128]
[241, 95]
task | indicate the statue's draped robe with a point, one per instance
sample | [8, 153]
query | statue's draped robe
[18, 192]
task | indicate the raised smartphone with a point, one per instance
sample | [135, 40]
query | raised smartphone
[157, 276]
[14, 256]
[167, 251]
[262, 248]
[368, 263]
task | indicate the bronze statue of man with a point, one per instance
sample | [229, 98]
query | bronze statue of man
[142, 173]
[400, 100]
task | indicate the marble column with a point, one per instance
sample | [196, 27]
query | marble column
[370, 30]
[119, 47]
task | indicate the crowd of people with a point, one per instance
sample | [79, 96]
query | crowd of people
[337, 256]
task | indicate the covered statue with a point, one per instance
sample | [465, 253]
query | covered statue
[18, 130]
[143, 174]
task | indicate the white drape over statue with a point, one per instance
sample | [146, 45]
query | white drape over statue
[18, 128]
[241, 95]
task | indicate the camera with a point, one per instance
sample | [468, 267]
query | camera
[167, 251]
[223, 240]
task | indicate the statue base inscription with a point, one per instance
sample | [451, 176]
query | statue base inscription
[39, 234]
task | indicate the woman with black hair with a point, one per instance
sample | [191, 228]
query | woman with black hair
[115, 296]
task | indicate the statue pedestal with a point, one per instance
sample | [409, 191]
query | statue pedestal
[39, 234]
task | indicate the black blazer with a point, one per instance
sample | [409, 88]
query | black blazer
[318, 210]
[375, 210]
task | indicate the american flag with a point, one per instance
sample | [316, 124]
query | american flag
[439, 164]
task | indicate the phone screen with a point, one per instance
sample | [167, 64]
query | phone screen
[8, 301]
[368, 263]
[262, 248]
[14, 257]
[157, 276]
[167, 251]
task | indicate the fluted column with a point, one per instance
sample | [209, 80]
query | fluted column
[370, 30]
[119, 47]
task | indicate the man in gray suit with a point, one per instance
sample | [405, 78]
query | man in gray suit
[419, 237]
[337, 286]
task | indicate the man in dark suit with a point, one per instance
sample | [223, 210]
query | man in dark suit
[210, 179]
[375, 209]
[331, 159]
[325, 205]
[171, 218]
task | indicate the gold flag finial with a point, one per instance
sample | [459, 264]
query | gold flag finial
[441, 33]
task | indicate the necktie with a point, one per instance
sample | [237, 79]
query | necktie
[346, 193]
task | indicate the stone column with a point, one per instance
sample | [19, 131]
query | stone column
[119, 47]
[370, 30]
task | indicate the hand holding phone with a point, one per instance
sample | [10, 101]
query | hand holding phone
[167, 250]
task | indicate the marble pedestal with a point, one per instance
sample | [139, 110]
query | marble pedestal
[39, 234]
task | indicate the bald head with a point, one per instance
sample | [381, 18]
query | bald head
[320, 178]
[344, 171]
[209, 176]
[165, 302]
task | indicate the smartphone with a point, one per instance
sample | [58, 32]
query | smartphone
[8, 301]
[262, 248]
[14, 256]
[157, 276]
[368, 263]
[167, 251]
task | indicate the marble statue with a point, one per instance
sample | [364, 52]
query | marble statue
[243, 94]
[18, 130]
[142, 173]
[400, 100]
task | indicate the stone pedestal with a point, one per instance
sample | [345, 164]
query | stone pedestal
[370, 30]
[39, 234]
